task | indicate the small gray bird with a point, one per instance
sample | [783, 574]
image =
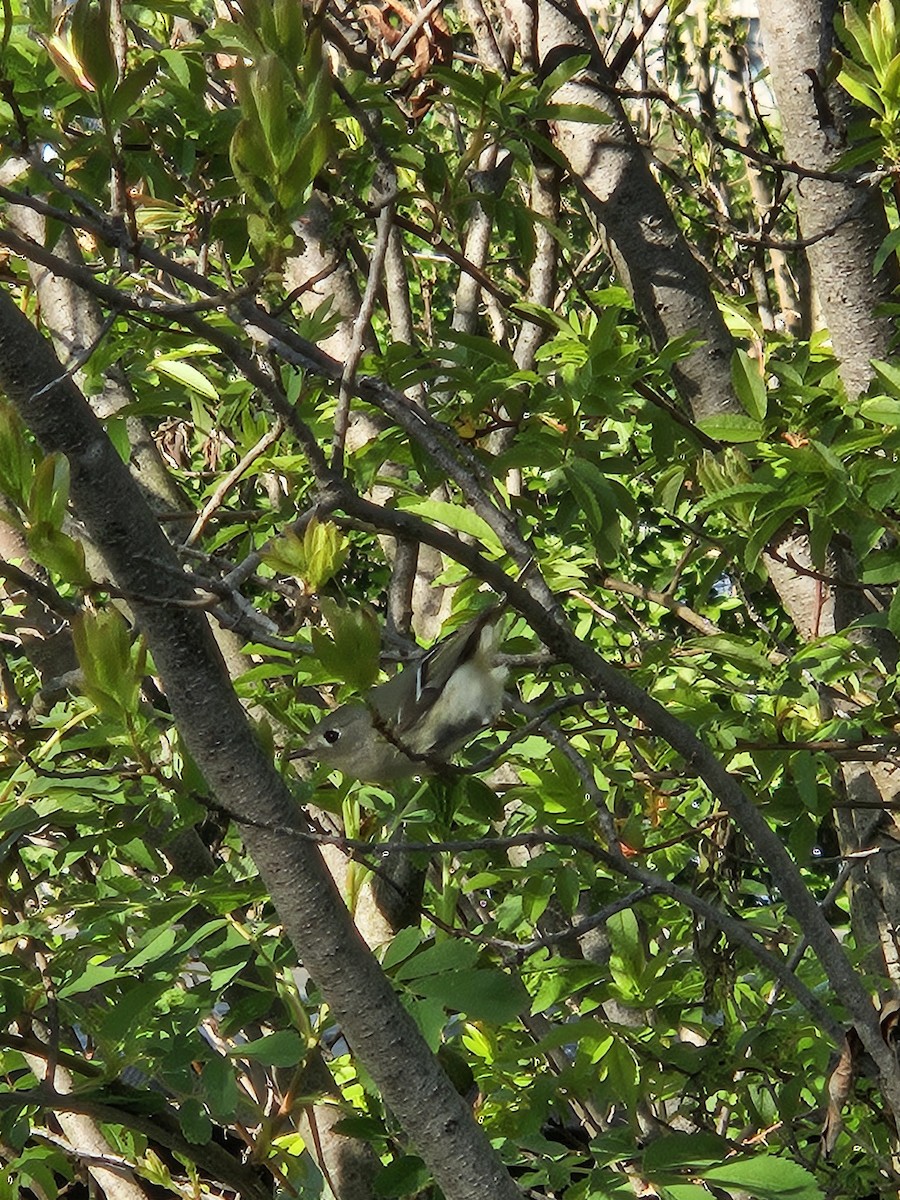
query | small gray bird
[416, 720]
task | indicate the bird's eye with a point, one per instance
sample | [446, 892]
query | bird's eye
[331, 736]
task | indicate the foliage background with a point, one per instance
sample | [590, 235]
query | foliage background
[381, 306]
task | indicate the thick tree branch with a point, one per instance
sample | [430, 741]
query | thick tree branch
[216, 730]
[537, 604]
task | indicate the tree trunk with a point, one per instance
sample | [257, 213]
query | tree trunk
[846, 221]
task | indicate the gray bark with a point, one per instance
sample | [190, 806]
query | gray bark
[86, 1140]
[669, 287]
[75, 323]
[799, 39]
[244, 781]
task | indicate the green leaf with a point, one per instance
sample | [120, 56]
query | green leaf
[130, 1007]
[94, 975]
[404, 943]
[431, 1019]
[158, 946]
[668, 486]
[483, 994]
[881, 567]
[622, 1073]
[311, 156]
[187, 375]
[603, 501]
[886, 249]
[220, 1088]
[177, 63]
[250, 160]
[128, 92]
[58, 553]
[480, 346]
[737, 650]
[749, 385]
[41, 1166]
[683, 1191]
[448, 955]
[453, 516]
[195, 1124]
[889, 374]
[862, 86]
[271, 88]
[766, 1178]
[624, 936]
[731, 427]
[405, 1176]
[282, 1049]
[92, 44]
[112, 678]
[49, 497]
[315, 557]
[857, 30]
[318, 90]
[567, 69]
[17, 456]
[352, 654]
[697, 1150]
[883, 410]
[890, 82]
[894, 614]
[289, 28]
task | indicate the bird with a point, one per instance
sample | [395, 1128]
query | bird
[412, 724]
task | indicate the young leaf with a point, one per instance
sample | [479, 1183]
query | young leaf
[315, 557]
[353, 651]
[49, 496]
[111, 676]
[749, 384]
[17, 456]
[92, 44]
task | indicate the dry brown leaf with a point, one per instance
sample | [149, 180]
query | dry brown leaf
[840, 1085]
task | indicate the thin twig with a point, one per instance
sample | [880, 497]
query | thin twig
[268, 439]
[47, 595]
[383, 224]
[421, 18]
[686, 614]
[851, 178]
[635, 37]
[579, 928]
[733, 928]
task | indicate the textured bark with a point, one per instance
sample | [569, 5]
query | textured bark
[87, 1143]
[820, 610]
[45, 637]
[488, 179]
[75, 323]
[873, 882]
[747, 132]
[798, 36]
[320, 273]
[670, 288]
[348, 1165]
[244, 781]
